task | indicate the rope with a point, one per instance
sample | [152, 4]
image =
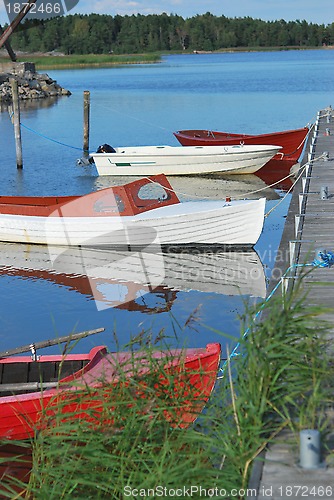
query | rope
[288, 192]
[49, 138]
[324, 259]
[208, 197]
[310, 127]
[293, 185]
[268, 185]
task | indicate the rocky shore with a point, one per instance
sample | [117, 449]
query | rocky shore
[32, 85]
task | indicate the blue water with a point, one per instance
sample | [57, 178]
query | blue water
[144, 104]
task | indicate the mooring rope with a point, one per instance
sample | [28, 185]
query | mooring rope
[264, 188]
[324, 259]
[287, 193]
[49, 138]
[303, 168]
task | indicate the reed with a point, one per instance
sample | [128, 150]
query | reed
[282, 377]
[93, 60]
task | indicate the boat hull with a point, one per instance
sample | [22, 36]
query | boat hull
[232, 224]
[168, 160]
[21, 415]
[291, 141]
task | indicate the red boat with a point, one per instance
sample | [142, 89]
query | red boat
[77, 386]
[15, 468]
[291, 141]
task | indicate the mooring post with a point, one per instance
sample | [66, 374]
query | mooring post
[310, 449]
[86, 121]
[16, 122]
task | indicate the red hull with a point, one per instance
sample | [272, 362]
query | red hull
[22, 415]
[15, 463]
[291, 141]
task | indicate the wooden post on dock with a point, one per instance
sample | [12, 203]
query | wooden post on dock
[16, 122]
[86, 121]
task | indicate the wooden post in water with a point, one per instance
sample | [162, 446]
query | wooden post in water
[16, 122]
[86, 121]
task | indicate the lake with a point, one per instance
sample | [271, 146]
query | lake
[200, 296]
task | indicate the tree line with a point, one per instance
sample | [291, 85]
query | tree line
[103, 34]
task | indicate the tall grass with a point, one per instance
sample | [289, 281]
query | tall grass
[76, 60]
[282, 377]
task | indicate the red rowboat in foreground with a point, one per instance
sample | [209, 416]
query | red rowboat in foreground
[291, 141]
[79, 386]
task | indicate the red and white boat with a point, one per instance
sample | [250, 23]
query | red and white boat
[138, 214]
[82, 386]
[291, 141]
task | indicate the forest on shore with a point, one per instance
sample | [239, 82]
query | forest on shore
[106, 34]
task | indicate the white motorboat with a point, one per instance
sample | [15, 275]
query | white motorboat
[176, 160]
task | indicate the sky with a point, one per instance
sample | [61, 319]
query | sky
[268, 10]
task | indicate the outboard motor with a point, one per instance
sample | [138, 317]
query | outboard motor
[105, 148]
[84, 161]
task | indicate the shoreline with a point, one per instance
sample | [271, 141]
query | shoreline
[62, 61]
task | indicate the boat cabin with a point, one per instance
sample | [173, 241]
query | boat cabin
[130, 199]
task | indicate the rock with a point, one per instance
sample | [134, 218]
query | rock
[36, 94]
[44, 77]
[32, 85]
[4, 77]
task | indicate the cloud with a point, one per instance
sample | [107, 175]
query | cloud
[145, 7]
[120, 7]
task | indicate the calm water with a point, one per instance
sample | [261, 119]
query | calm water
[144, 104]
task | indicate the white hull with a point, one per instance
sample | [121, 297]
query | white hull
[237, 223]
[192, 160]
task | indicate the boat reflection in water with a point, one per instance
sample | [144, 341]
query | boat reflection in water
[210, 187]
[281, 174]
[133, 279]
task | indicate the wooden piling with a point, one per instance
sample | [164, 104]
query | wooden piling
[86, 121]
[16, 122]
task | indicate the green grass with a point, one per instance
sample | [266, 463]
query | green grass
[86, 60]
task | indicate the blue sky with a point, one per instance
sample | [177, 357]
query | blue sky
[268, 10]
[290, 10]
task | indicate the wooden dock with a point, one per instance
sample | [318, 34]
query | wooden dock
[309, 226]
[309, 229]
[314, 224]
